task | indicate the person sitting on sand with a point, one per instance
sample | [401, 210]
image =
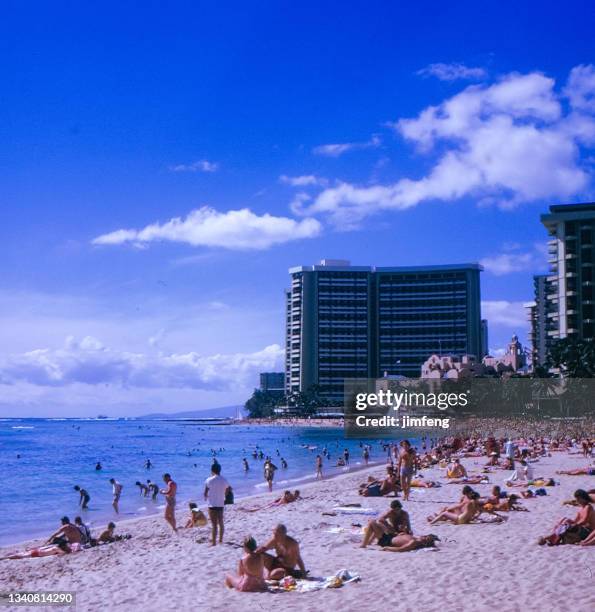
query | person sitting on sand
[251, 568]
[465, 513]
[287, 556]
[456, 470]
[588, 471]
[572, 531]
[387, 526]
[405, 542]
[84, 529]
[68, 531]
[197, 517]
[107, 536]
[60, 548]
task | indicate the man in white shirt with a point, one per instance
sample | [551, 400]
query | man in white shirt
[216, 488]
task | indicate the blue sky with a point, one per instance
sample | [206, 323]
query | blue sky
[278, 133]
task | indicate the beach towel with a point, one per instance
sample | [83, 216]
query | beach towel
[351, 510]
[335, 581]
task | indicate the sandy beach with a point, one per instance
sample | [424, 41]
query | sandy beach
[475, 566]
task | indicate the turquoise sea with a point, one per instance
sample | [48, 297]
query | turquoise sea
[42, 459]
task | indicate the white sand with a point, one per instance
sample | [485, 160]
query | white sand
[476, 567]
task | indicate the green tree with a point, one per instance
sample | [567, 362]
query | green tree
[574, 358]
[261, 404]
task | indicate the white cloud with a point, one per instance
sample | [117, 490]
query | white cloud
[303, 181]
[580, 88]
[452, 72]
[502, 313]
[506, 263]
[507, 143]
[515, 259]
[335, 150]
[202, 165]
[89, 362]
[235, 230]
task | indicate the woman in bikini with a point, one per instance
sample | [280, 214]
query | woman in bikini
[461, 514]
[250, 570]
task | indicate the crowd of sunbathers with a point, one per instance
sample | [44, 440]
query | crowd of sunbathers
[70, 538]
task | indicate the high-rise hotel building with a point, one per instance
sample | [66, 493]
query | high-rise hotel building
[570, 305]
[348, 321]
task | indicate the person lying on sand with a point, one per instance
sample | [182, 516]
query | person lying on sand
[60, 548]
[573, 531]
[471, 480]
[456, 470]
[588, 471]
[287, 556]
[420, 483]
[251, 568]
[197, 517]
[504, 505]
[68, 531]
[405, 542]
[538, 482]
[287, 498]
[462, 513]
[387, 526]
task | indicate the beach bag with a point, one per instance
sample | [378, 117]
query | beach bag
[229, 496]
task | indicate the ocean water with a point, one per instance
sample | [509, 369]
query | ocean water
[56, 454]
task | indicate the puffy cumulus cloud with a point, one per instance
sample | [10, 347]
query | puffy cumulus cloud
[337, 149]
[502, 313]
[89, 362]
[507, 143]
[235, 229]
[514, 259]
[307, 180]
[580, 88]
[202, 165]
[452, 72]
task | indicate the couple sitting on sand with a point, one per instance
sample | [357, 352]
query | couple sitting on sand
[257, 565]
[580, 530]
[392, 531]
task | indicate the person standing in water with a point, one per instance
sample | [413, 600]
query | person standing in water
[269, 472]
[170, 501]
[246, 466]
[116, 492]
[84, 497]
[318, 467]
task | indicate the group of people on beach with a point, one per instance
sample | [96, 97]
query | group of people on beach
[70, 538]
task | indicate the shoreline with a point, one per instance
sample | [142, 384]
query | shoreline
[202, 504]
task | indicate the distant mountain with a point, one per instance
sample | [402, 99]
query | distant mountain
[209, 413]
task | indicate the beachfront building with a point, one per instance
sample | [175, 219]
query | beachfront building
[569, 299]
[273, 383]
[536, 315]
[513, 361]
[348, 321]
